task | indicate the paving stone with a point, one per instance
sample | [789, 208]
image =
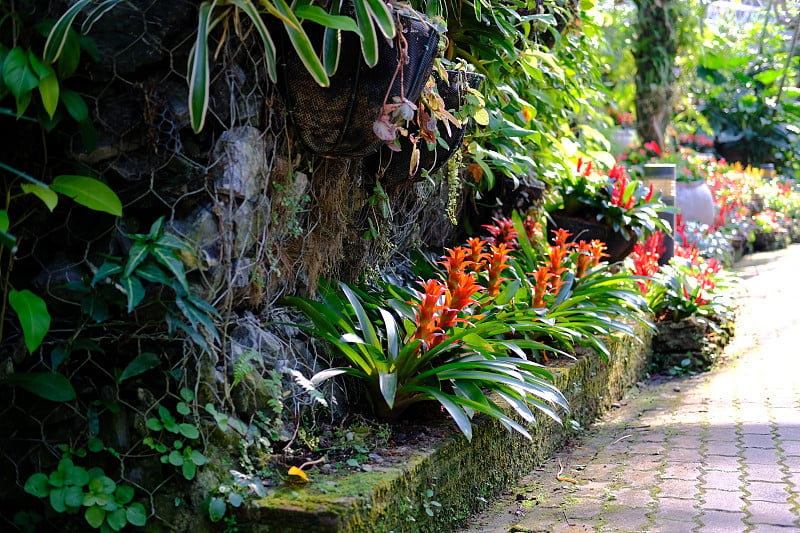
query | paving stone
[717, 433]
[625, 519]
[687, 471]
[678, 488]
[777, 514]
[671, 526]
[632, 497]
[675, 509]
[768, 492]
[721, 480]
[721, 462]
[722, 500]
[762, 472]
[766, 528]
[729, 449]
[791, 447]
[792, 463]
[722, 522]
[750, 440]
[756, 456]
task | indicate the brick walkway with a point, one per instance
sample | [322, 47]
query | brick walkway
[718, 452]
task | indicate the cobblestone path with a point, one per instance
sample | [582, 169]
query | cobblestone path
[718, 452]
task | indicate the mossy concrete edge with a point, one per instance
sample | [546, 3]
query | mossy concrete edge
[441, 485]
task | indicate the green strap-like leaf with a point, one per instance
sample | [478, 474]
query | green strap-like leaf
[33, 316]
[89, 192]
[365, 324]
[97, 13]
[199, 70]
[329, 20]
[58, 35]
[380, 13]
[47, 385]
[369, 37]
[134, 290]
[251, 11]
[167, 258]
[332, 43]
[302, 45]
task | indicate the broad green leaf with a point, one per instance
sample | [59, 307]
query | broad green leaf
[117, 519]
[49, 91]
[302, 45]
[106, 269]
[199, 69]
[167, 258]
[134, 290]
[75, 105]
[45, 194]
[88, 192]
[19, 77]
[42, 70]
[33, 316]
[58, 35]
[73, 497]
[216, 509]
[138, 253]
[47, 385]
[95, 516]
[124, 494]
[365, 324]
[189, 431]
[38, 485]
[57, 499]
[6, 239]
[142, 363]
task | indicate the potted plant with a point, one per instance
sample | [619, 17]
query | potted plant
[611, 207]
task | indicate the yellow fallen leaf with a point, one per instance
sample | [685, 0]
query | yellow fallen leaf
[297, 476]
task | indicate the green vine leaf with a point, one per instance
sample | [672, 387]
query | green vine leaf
[89, 192]
[19, 77]
[142, 363]
[43, 193]
[33, 316]
[47, 385]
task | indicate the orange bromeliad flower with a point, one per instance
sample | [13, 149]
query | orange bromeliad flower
[497, 263]
[477, 256]
[645, 258]
[458, 297]
[428, 311]
[541, 286]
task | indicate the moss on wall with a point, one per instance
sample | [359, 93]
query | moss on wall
[436, 487]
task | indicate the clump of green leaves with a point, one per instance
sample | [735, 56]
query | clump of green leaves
[71, 488]
[180, 453]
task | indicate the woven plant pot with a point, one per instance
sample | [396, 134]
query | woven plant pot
[394, 168]
[338, 120]
[618, 246]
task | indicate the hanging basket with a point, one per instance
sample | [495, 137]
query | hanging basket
[394, 168]
[338, 120]
[618, 246]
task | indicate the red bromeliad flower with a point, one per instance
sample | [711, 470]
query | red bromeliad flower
[617, 173]
[498, 262]
[428, 311]
[502, 231]
[653, 145]
[645, 258]
[533, 229]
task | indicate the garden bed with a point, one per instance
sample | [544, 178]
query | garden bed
[440, 480]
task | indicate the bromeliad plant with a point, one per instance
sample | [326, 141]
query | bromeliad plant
[612, 198]
[403, 354]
